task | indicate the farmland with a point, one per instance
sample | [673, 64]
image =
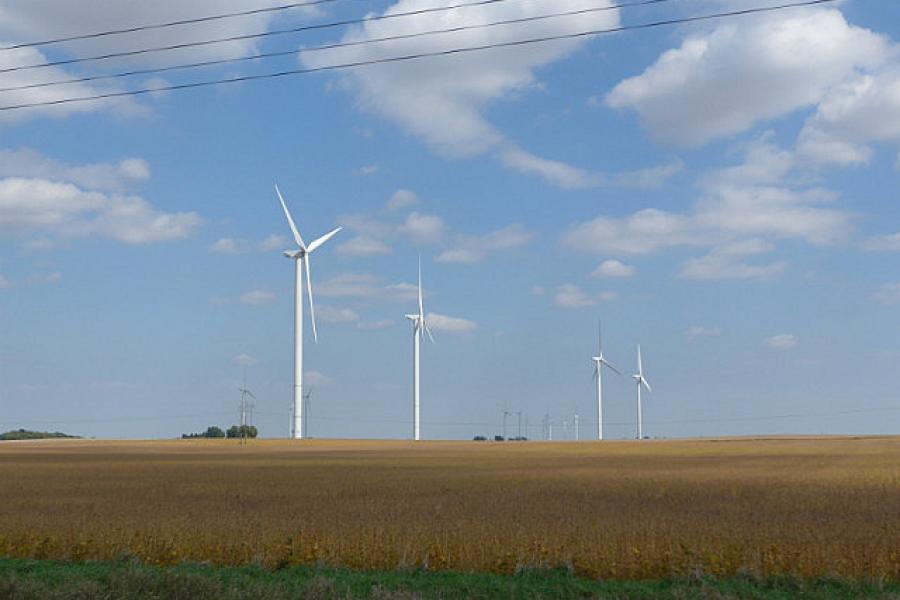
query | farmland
[617, 510]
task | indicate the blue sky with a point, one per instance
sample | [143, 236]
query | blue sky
[724, 193]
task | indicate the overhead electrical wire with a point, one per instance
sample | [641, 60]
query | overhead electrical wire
[251, 36]
[416, 56]
[264, 55]
[138, 28]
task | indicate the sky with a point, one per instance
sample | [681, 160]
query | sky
[721, 192]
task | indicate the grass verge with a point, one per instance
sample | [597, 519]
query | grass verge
[128, 580]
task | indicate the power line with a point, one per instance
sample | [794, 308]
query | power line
[251, 36]
[265, 55]
[417, 56]
[137, 28]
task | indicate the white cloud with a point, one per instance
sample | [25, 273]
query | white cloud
[330, 314]
[27, 163]
[750, 200]
[696, 331]
[472, 249]
[888, 294]
[51, 199]
[360, 285]
[363, 245]
[443, 103]
[782, 341]
[889, 241]
[726, 262]
[245, 360]
[723, 82]
[257, 297]
[44, 278]
[375, 325]
[443, 323]
[272, 242]
[402, 199]
[229, 246]
[571, 296]
[368, 170]
[613, 268]
[423, 229]
[316, 378]
[852, 115]
[538, 290]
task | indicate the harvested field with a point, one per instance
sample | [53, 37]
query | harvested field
[625, 510]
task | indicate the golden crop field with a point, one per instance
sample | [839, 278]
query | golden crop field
[828, 506]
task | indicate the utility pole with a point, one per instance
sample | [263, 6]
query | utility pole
[243, 407]
[519, 413]
[306, 397]
[576, 427]
[505, 414]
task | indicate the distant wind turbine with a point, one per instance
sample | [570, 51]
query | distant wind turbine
[301, 260]
[599, 363]
[420, 328]
[641, 381]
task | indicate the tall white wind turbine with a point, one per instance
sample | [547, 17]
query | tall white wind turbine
[599, 363]
[641, 381]
[301, 260]
[420, 328]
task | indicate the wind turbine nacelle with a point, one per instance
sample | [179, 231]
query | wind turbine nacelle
[293, 254]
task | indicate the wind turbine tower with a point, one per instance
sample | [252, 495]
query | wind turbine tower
[420, 328]
[599, 363]
[641, 381]
[300, 256]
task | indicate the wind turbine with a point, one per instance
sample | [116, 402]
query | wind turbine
[420, 328]
[641, 381]
[301, 260]
[599, 363]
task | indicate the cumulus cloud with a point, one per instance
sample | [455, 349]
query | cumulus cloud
[889, 241]
[316, 378]
[782, 341]
[423, 229]
[727, 262]
[257, 297]
[750, 201]
[37, 205]
[245, 360]
[363, 245]
[698, 331]
[402, 199]
[889, 293]
[723, 82]
[443, 103]
[375, 325]
[363, 285]
[228, 246]
[571, 296]
[272, 242]
[30, 164]
[330, 314]
[443, 323]
[613, 268]
[472, 249]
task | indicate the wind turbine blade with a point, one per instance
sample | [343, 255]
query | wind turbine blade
[316, 243]
[607, 363]
[428, 331]
[646, 384]
[596, 373]
[640, 368]
[249, 393]
[312, 307]
[287, 214]
[599, 337]
[421, 303]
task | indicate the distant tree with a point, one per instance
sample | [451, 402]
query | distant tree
[479, 438]
[498, 438]
[24, 434]
[238, 431]
[214, 432]
[211, 432]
